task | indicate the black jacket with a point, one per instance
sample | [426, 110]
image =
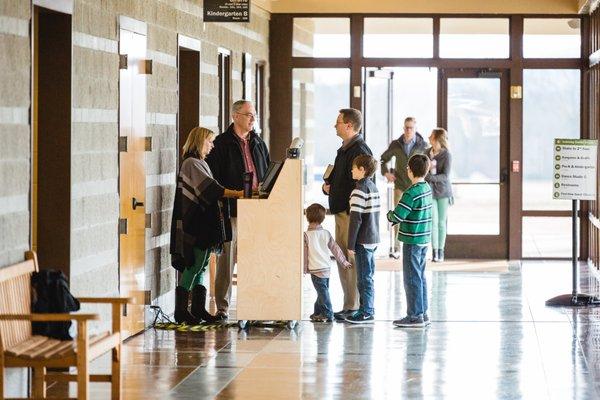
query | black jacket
[226, 162]
[340, 179]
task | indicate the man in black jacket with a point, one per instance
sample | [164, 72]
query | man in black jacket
[237, 150]
[339, 186]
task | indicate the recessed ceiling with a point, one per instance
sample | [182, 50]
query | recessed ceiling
[425, 6]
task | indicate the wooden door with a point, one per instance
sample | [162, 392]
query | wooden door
[132, 178]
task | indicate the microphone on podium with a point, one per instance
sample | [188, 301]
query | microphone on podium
[294, 149]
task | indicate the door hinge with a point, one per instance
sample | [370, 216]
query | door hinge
[123, 144]
[146, 67]
[122, 226]
[122, 61]
[148, 221]
[148, 143]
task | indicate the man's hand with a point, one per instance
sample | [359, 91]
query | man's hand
[326, 188]
[390, 177]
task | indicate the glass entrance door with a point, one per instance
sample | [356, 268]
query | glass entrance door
[474, 111]
[378, 130]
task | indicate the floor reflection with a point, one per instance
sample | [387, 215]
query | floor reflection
[491, 338]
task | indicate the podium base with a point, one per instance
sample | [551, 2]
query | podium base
[569, 300]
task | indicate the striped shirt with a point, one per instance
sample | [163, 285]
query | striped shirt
[364, 214]
[413, 212]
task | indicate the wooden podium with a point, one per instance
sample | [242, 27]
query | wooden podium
[270, 251]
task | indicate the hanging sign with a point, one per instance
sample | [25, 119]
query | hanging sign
[574, 169]
[226, 10]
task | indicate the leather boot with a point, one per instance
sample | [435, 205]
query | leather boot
[181, 307]
[199, 305]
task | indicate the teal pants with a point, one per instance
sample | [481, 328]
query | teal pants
[439, 216]
[194, 275]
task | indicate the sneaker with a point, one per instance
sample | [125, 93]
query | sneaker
[341, 315]
[221, 316]
[426, 319]
[410, 322]
[320, 318]
[360, 318]
[395, 255]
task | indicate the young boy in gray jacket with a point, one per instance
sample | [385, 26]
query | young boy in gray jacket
[363, 234]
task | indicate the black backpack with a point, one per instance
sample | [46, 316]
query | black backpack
[50, 294]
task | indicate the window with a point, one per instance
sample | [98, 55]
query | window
[550, 110]
[224, 75]
[318, 95]
[398, 37]
[321, 37]
[259, 95]
[474, 38]
[552, 38]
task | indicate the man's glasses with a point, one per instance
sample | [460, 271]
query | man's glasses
[249, 115]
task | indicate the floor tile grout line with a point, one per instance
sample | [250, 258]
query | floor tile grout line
[243, 368]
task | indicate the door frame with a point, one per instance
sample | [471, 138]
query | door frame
[482, 246]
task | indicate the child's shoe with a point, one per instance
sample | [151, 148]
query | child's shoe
[360, 318]
[434, 255]
[319, 318]
[440, 255]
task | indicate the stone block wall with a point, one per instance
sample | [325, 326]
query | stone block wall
[95, 127]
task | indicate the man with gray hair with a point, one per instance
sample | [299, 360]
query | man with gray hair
[237, 151]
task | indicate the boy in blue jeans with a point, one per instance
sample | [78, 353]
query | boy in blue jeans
[318, 244]
[413, 212]
[363, 235]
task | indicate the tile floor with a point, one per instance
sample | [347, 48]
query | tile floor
[491, 337]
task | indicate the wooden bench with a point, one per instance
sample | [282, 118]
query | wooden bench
[20, 349]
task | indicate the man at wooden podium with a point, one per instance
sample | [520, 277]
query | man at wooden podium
[338, 187]
[237, 151]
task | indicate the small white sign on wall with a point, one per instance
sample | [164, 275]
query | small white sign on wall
[574, 172]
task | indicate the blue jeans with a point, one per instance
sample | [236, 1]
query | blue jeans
[365, 268]
[323, 304]
[415, 285]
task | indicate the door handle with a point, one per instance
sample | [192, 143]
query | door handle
[135, 203]
[504, 176]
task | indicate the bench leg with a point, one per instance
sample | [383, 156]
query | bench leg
[83, 374]
[116, 374]
[1, 374]
[39, 382]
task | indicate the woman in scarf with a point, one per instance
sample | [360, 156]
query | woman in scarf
[198, 227]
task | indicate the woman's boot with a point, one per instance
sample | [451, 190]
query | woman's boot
[199, 304]
[181, 307]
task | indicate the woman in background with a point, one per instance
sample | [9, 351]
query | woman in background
[439, 180]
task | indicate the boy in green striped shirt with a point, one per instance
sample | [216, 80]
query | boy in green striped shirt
[413, 213]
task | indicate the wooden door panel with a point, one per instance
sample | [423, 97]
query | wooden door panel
[132, 183]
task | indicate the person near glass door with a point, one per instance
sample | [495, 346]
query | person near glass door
[439, 180]
[408, 144]
[338, 187]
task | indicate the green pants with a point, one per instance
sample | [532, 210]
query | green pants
[194, 275]
[439, 216]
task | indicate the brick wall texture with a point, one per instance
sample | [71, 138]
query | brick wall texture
[95, 127]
